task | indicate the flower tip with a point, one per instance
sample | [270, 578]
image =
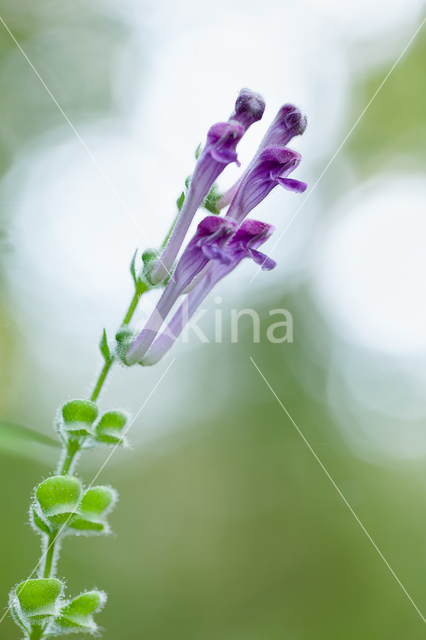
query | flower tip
[249, 108]
[293, 119]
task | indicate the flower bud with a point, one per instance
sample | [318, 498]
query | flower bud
[249, 108]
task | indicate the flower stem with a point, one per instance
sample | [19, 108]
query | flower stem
[36, 633]
[49, 555]
[73, 447]
[140, 289]
[102, 376]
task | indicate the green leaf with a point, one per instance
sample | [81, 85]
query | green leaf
[198, 151]
[18, 440]
[211, 200]
[39, 597]
[79, 416]
[58, 497]
[132, 268]
[9, 430]
[180, 201]
[27, 443]
[104, 348]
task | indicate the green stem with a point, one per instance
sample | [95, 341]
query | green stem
[49, 555]
[36, 633]
[102, 376]
[140, 289]
[73, 447]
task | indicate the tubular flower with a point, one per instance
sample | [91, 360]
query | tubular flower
[249, 108]
[207, 244]
[288, 123]
[219, 151]
[271, 167]
[244, 244]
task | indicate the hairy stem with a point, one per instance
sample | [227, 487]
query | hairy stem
[140, 289]
[73, 447]
[102, 376]
[49, 555]
[36, 633]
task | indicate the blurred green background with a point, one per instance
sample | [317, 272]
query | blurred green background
[227, 527]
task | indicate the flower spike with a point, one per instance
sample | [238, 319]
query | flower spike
[219, 151]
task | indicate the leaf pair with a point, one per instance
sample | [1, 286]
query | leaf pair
[78, 418]
[38, 605]
[60, 503]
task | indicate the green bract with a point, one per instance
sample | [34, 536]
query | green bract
[58, 498]
[78, 416]
[39, 597]
[77, 615]
[38, 522]
[95, 505]
[124, 337]
[104, 348]
[109, 427]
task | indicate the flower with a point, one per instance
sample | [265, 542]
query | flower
[219, 151]
[243, 244]
[288, 123]
[249, 108]
[207, 244]
[270, 168]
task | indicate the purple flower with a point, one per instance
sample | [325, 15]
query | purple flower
[219, 151]
[243, 244]
[270, 168]
[249, 108]
[207, 244]
[288, 123]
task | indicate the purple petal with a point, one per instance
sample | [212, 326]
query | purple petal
[292, 185]
[263, 260]
[215, 253]
[272, 163]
